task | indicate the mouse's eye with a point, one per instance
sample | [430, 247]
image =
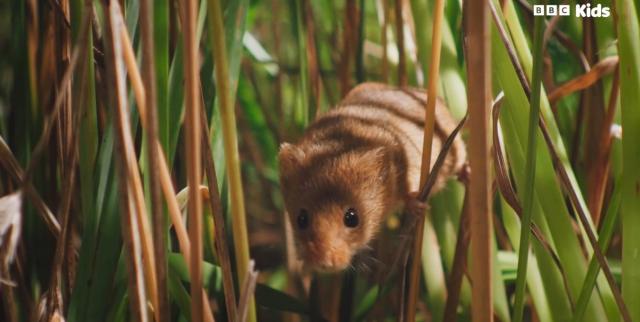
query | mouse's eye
[303, 219]
[351, 218]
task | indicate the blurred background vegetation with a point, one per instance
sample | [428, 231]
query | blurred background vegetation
[67, 111]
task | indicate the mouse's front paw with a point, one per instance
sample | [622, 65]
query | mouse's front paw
[415, 206]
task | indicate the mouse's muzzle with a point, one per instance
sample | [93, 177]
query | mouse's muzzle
[326, 256]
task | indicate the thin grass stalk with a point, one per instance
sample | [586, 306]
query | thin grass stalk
[215, 202]
[402, 69]
[157, 214]
[230, 142]
[56, 297]
[385, 49]
[137, 294]
[164, 173]
[527, 210]
[414, 283]
[192, 128]
[248, 289]
[608, 227]
[361, 36]
[629, 51]
[479, 102]
[304, 63]
[347, 46]
[312, 58]
[601, 175]
[454, 285]
[165, 177]
[138, 201]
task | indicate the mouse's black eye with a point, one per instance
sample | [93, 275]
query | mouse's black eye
[303, 219]
[351, 218]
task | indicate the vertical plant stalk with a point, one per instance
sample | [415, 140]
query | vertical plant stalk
[230, 142]
[402, 69]
[454, 286]
[248, 289]
[479, 102]
[360, 37]
[432, 94]
[608, 227]
[130, 229]
[312, 57]
[601, 172]
[163, 170]
[192, 129]
[303, 60]
[215, 202]
[527, 211]
[347, 46]
[157, 213]
[629, 51]
[165, 175]
[383, 36]
[136, 187]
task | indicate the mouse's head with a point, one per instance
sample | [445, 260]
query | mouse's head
[335, 202]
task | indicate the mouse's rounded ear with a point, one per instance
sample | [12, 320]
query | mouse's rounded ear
[290, 156]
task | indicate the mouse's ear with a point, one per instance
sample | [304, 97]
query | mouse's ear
[290, 157]
[372, 161]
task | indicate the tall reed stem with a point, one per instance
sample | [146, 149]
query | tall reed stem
[534, 118]
[231, 154]
[157, 214]
[479, 102]
[193, 146]
[432, 94]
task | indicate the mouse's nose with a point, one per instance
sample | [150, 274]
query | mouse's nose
[327, 258]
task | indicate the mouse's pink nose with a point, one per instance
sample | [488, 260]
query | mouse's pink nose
[327, 258]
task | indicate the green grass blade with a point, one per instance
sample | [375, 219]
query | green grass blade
[629, 52]
[530, 168]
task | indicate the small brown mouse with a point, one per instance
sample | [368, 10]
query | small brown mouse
[354, 166]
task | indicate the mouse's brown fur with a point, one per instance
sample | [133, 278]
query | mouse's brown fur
[365, 155]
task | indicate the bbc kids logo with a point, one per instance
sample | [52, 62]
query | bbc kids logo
[581, 10]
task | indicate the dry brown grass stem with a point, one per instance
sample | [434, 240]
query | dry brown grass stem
[215, 202]
[599, 178]
[164, 174]
[153, 153]
[248, 288]
[166, 184]
[135, 182]
[130, 230]
[402, 69]
[193, 155]
[385, 50]
[479, 103]
[414, 273]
